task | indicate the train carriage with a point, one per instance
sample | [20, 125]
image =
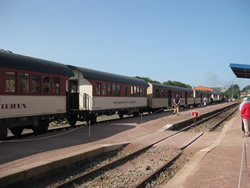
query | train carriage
[99, 93]
[32, 93]
[216, 96]
[201, 95]
[161, 96]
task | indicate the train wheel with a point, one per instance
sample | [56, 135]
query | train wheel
[41, 128]
[3, 132]
[120, 115]
[93, 120]
[135, 114]
[72, 121]
[16, 131]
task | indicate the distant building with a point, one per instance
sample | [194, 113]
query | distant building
[203, 88]
[244, 94]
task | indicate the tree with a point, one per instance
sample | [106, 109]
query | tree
[6, 51]
[246, 89]
[148, 80]
[232, 92]
[176, 83]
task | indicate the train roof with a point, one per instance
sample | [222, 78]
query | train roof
[17, 61]
[171, 87]
[99, 75]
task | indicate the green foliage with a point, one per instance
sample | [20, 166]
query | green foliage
[246, 89]
[176, 83]
[148, 80]
[169, 82]
[232, 92]
[6, 51]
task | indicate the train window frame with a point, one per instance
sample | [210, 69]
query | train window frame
[56, 85]
[137, 91]
[104, 89]
[132, 90]
[98, 88]
[36, 89]
[10, 87]
[140, 91]
[118, 89]
[24, 83]
[157, 93]
[109, 89]
[46, 85]
[113, 89]
[125, 90]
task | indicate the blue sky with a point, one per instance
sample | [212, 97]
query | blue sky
[191, 41]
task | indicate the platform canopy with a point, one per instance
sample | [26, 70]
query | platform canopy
[240, 70]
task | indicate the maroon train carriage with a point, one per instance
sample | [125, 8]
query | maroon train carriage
[161, 96]
[92, 93]
[32, 93]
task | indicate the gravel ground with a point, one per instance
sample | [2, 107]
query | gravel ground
[133, 171]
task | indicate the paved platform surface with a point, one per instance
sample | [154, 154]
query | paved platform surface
[222, 164]
[26, 158]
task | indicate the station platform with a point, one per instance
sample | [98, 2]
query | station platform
[24, 159]
[225, 163]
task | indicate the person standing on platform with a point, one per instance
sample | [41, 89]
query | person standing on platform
[245, 112]
[177, 102]
[244, 100]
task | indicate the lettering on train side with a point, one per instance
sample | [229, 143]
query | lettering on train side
[124, 102]
[12, 106]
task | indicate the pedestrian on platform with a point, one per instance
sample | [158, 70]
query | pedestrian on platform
[205, 101]
[245, 112]
[244, 100]
[177, 103]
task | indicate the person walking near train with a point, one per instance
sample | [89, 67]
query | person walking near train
[245, 112]
[177, 102]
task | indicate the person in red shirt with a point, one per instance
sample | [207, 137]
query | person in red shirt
[245, 111]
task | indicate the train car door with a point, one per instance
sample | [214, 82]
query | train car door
[73, 95]
[186, 99]
[169, 98]
[73, 86]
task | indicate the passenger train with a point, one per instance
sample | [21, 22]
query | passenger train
[35, 92]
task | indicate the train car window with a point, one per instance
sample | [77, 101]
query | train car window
[135, 91]
[132, 90]
[10, 82]
[98, 88]
[103, 89]
[113, 89]
[24, 83]
[46, 85]
[157, 93]
[109, 89]
[126, 90]
[118, 88]
[56, 85]
[36, 84]
[141, 92]
[138, 91]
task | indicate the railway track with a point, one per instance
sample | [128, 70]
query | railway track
[136, 168]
